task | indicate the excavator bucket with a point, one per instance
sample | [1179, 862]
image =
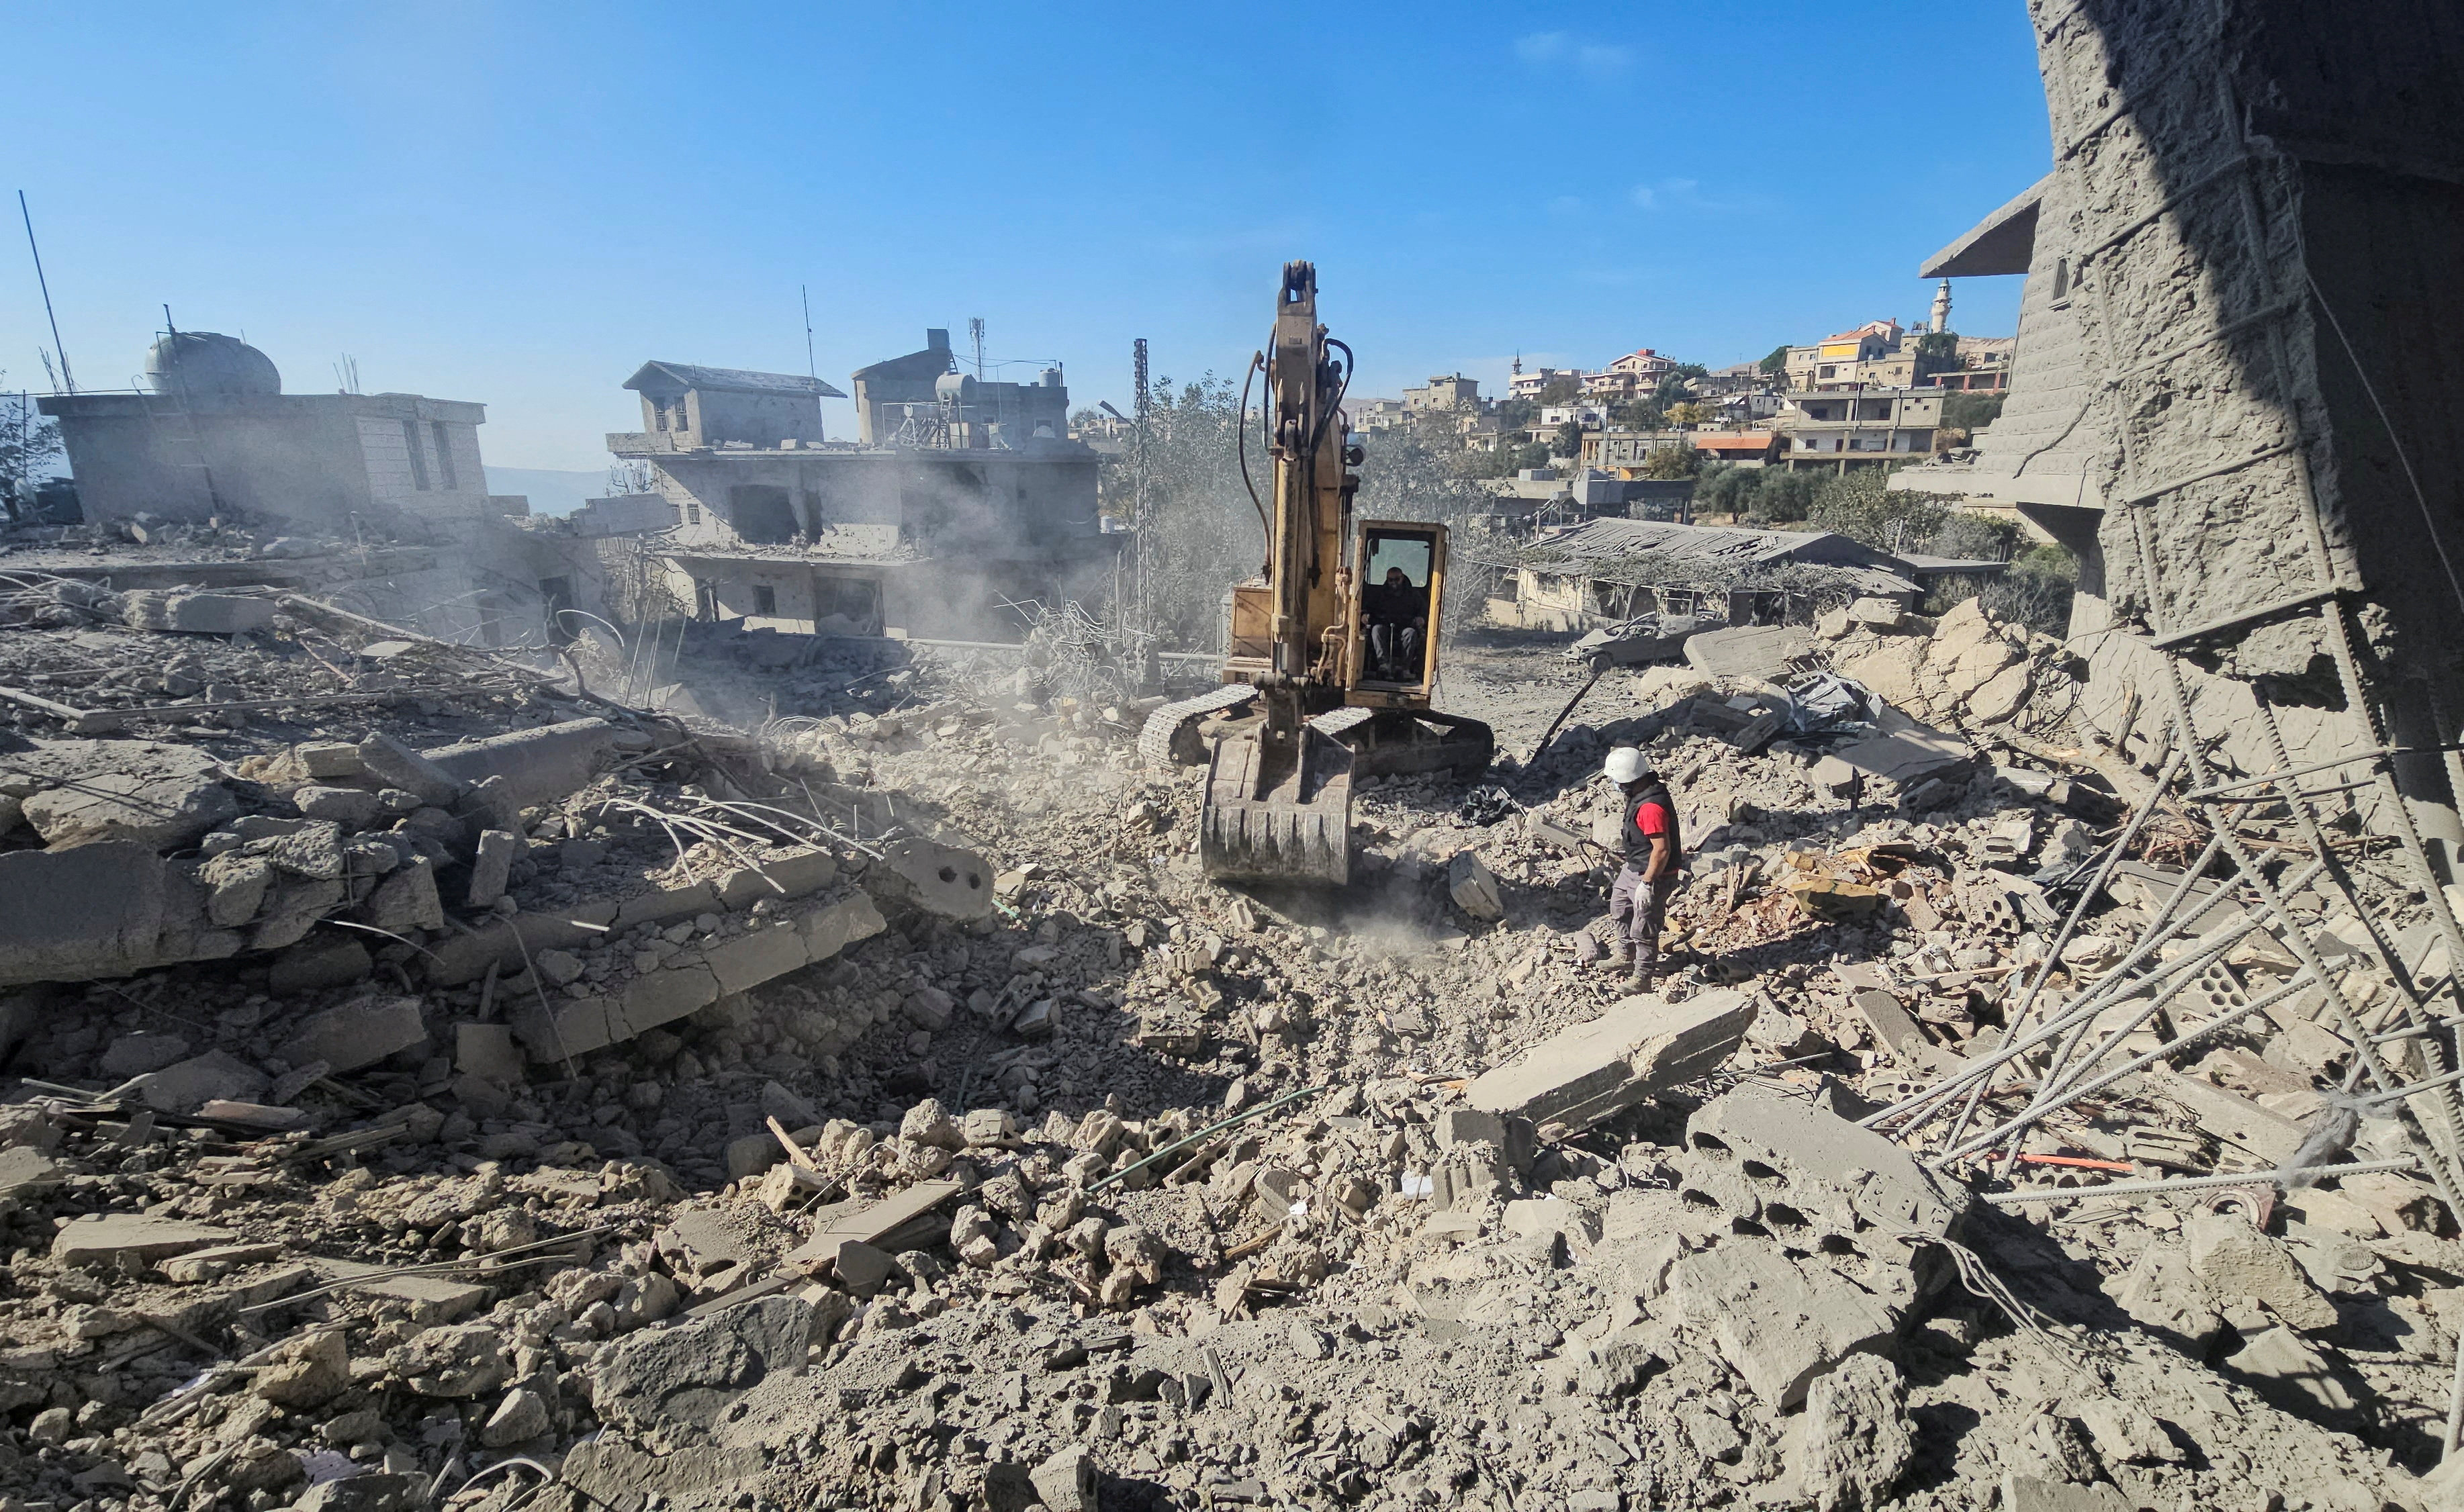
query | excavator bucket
[1277, 819]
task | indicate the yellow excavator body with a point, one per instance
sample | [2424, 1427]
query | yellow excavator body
[1336, 641]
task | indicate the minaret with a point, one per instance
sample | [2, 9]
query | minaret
[1941, 308]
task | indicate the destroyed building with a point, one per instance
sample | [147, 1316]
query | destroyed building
[957, 495]
[1606, 571]
[381, 498]
[213, 433]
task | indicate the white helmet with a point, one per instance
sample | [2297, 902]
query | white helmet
[1625, 764]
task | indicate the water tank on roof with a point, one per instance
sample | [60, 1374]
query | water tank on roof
[954, 389]
[193, 363]
[1051, 377]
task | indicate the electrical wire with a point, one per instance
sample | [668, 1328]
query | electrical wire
[1240, 441]
[2428, 521]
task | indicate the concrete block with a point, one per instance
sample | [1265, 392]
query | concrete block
[1532, 1217]
[492, 867]
[1474, 886]
[407, 900]
[1067, 1483]
[195, 613]
[946, 880]
[397, 765]
[1878, 614]
[1642, 1044]
[359, 1033]
[462, 958]
[757, 955]
[1747, 650]
[325, 761]
[100, 1240]
[1890, 1023]
[351, 807]
[235, 887]
[2230, 1116]
[831, 929]
[665, 906]
[1887, 1185]
[136, 1054]
[795, 875]
[538, 765]
[311, 965]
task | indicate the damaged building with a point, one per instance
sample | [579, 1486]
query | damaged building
[957, 495]
[1606, 571]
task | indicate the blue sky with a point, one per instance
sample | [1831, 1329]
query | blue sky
[517, 204]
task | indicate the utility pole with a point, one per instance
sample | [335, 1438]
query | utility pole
[67, 378]
[976, 334]
[1141, 519]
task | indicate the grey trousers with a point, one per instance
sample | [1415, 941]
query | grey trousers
[1640, 910]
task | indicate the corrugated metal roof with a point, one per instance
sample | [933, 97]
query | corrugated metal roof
[731, 380]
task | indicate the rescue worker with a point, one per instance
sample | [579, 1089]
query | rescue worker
[1654, 853]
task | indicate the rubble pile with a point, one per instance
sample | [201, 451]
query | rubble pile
[495, 1097]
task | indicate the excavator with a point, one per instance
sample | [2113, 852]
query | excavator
[1330, 660]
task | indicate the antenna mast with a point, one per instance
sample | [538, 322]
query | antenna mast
[976, 334]
[66, 377]
[805, 295]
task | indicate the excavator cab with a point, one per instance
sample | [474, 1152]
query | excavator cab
[1398, 585]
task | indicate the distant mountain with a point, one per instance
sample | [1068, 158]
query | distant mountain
[550, 492]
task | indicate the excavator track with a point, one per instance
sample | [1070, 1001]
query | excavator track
[1170, 737]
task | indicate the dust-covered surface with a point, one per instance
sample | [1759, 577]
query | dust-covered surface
[821, 1111]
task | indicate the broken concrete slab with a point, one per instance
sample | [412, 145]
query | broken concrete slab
[1907, 756]
[136, 1054]
[1890, 1023]
[1776, 1325]
[871, 1223]
[691, 1372]
[359, 1033]
[101, 1237]
[1067, 1483]
[538, 765]
[1643, 1043]
[1796, 1139]
[25, 1171]
[2230, 1117]
[397, 765]
[1474, 886]
[70, 916]
[161, 811]
[488, 1050]
[187, 1085]
[1747, 650]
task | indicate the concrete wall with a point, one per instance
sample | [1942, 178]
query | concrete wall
[2241, 178]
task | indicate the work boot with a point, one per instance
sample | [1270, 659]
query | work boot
[1621, 953]
[1639, 981]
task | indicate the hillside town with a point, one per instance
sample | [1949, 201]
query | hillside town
[1872, 927]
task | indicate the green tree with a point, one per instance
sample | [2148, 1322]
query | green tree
[29, 444]
[1568, 439]
[1672, 390]
[1560, 391]
[1672, 462]
[1635, 414]
[1777, 361]
[1687, 413]
[1862, 505]
[1970, 413]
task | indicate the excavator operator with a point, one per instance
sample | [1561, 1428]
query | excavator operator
[1397, 615]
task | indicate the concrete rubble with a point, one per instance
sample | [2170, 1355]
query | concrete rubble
[431, 1083]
